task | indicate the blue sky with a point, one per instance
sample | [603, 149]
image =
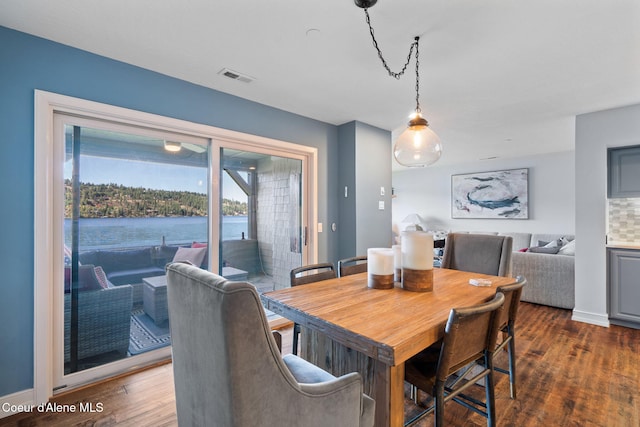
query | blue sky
[157, 176]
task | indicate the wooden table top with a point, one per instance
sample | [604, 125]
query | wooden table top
[388, 325]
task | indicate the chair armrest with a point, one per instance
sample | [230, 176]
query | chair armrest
[305, 372]
[344, 390]
[347, 382]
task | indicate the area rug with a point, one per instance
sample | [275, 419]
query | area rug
[145, 334]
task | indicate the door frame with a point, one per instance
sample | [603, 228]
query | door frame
[219, 143]
[47, 238]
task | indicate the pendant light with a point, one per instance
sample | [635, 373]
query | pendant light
[418, 145]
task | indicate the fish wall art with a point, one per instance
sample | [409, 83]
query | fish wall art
[497, 195]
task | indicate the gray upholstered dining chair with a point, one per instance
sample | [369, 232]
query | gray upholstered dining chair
[303, 275]
[470, 335]
[352, 265]
[228, 371]
[478, 253]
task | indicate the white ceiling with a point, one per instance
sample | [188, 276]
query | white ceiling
[498, 78]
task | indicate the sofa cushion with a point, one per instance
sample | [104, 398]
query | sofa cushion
[520, 240]
[125, 259]
[134, 275]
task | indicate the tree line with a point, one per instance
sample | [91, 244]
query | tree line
[119, 201]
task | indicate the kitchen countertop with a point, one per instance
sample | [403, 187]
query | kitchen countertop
[623, 245]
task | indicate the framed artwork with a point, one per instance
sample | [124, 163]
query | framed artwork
[491, 195]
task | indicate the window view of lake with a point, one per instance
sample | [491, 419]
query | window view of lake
[102, 233]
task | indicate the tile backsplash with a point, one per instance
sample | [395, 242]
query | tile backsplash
[624, 220]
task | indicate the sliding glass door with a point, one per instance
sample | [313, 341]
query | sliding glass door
[119, 194]
[261, 227]
[134, 200]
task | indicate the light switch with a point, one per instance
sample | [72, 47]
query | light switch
[319, 227]
[382, 191]
[381, 205]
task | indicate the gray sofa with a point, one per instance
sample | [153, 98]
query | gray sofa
[550, 277]
[130, 266]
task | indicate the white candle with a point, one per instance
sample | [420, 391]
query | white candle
[417, 250]
[380, 261]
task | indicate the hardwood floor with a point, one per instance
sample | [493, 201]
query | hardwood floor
[569, 374]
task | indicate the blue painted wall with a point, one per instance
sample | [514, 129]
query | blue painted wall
[28, 63]
[365, 168]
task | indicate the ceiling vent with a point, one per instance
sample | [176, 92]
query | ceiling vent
[236, 75]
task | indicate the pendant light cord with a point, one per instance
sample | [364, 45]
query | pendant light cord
[404, 68]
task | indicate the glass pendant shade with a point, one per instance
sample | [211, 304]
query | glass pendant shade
[417, 146]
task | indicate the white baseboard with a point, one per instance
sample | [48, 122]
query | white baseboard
[15, 403]
[592, 318]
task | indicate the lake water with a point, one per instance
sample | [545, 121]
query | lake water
[101, 233]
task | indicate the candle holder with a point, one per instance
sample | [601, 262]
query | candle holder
[380, 268]
[417, 261]
[417, 280]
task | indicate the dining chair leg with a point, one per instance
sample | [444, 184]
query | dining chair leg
[512, 364]
[413, 394]
[296, 333]
[438, 396]
[489, 393]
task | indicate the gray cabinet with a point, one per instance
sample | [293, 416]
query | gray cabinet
[624, 287]
[624, 172]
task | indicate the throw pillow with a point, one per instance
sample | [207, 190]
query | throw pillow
[568, 249]
[67, 256]
[88, 279]
[544, 250]
[553, 244]
[523, 250]
[194, 255]
[566, 240]
[198, 245]
[102, 278]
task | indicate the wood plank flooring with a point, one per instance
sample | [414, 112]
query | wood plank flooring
[569, 374]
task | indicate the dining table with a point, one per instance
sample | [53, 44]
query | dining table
[347, 326]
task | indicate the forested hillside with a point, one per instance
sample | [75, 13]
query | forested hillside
[114, 201]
